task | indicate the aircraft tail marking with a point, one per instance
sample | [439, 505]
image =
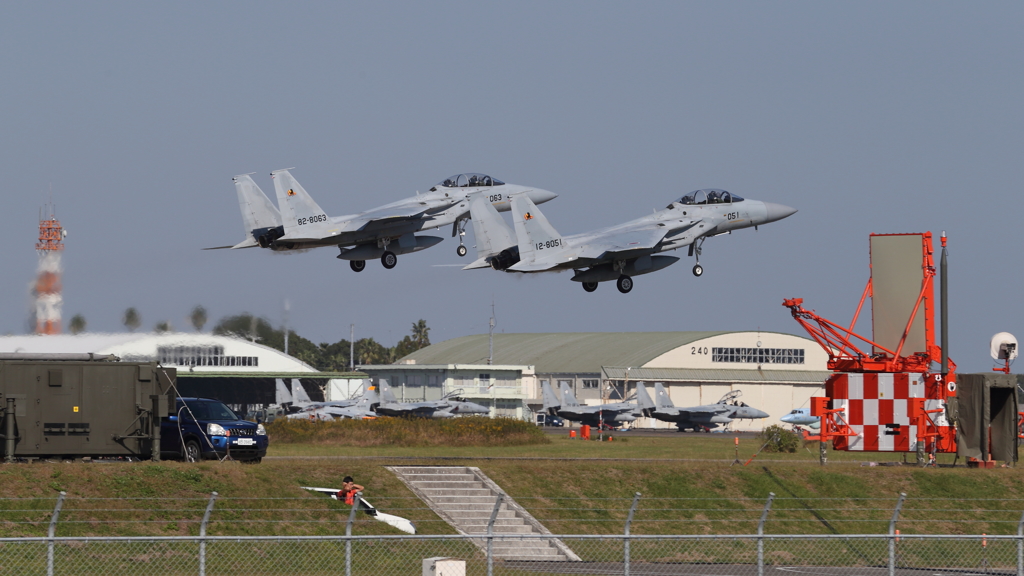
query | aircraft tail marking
[386, 395]
[298, 210]
[491, 232]
[550, 399]
[661, 397]
[568, 398]
[299, 393]
[535, 234]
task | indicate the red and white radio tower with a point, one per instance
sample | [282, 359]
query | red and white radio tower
[48, 285]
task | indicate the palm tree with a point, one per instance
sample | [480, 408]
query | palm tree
[198, 318]
[163, 326]
[77, 324]
[131, 320]
[420, 333]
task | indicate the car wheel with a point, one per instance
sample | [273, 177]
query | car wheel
[192, 452]
[357, 265]
[389, 260]
[461, 250]
[698, 270]
[624, 284]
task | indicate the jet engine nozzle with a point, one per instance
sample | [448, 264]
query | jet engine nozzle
[508, 257]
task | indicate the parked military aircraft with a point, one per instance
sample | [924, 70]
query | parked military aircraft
[447, 407]
[802, 417]
[697, 418]
[357, 409]
[617, 252]
[382, 232]
[566, 406]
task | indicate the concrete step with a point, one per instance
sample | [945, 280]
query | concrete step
[498, 529]
[522, 558]
[420, 478]
[459, 493]
[465, 498]
[507, 551]
[446, 485]
[469, 506]
[414, 470]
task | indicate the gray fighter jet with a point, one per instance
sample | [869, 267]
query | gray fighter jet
[697, 418]
[617, 252]
[382, 232]
[447, 407]
[354, 409]
[566, 406]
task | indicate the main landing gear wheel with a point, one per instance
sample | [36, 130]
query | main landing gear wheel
[389, 260]
[590, 286]
[698, 270]
[357, 265]
[461, 250]
[624, 284]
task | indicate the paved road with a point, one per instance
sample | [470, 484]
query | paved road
[680, 569]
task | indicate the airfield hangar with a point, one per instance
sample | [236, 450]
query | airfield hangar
[236, 371]
[775, 372]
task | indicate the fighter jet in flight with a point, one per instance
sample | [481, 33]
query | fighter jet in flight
[617, 252]
[566, 406]
[383, 232]
[697, 418]
[447, 407]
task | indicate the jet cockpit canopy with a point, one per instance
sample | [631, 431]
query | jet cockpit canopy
[710, 196]
[470, 180]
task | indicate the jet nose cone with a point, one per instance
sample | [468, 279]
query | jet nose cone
[777, 211]
[541, 196]
[759, 413]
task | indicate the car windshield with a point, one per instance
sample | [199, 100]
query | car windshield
[209, 410]
[470, 180]
[710, 196]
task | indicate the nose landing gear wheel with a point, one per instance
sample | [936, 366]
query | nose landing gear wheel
[698, 270]
[389, 260]
[590, 286]
[624, 284]
[461, 250]
[357, 265]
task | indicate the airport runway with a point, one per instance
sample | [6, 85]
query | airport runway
[681, 569]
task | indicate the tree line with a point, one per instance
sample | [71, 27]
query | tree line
[328, 357]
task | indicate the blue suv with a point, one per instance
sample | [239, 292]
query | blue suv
[203, 428]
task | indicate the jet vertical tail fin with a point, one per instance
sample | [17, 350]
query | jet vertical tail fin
[568, 398]
[643, 399]
[491, 232]
[385, 391]
[259, 215]
[534, 232]
[298, 210]
[281, 394]
[661, 397]
[299, 393]
[550, 399]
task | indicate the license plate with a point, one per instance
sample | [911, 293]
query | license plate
[245, 442]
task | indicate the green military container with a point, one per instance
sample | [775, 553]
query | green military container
[81, 405]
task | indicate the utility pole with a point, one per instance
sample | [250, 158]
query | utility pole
[352, 347]
[490, 337]
[287, 306]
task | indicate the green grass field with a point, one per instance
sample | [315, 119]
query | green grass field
[688, 484]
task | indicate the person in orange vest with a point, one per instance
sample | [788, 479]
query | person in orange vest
[348, 490]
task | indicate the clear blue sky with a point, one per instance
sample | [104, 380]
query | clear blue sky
[866, 116]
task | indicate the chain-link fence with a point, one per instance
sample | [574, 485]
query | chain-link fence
[276, 536]
[724, 555]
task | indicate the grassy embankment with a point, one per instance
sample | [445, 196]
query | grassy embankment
[688, 487]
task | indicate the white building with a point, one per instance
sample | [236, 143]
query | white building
[776, 372]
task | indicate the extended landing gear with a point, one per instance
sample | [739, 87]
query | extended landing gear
[388, 260]
[357, 265]
[460, 229]
[624, 284]
[695, 250]
[590, 286]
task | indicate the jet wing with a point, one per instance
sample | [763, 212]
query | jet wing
[382, 216]
[621, 243]
[247, 243]
[538, 266]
